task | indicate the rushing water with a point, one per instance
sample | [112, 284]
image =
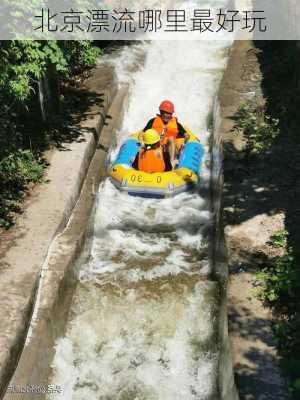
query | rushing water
[143, 320]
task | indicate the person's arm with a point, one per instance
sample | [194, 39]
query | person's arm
[185, 132]
[172, 151]
[182, 133]
[181, 130]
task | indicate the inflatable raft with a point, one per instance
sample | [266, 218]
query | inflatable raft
[160, 184]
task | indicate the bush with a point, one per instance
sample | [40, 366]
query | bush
[259, 128]
[17, 170]
[79, 55]
[26, 109]
[280, 289]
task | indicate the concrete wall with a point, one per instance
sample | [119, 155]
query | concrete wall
[55, 284]
[226, 385]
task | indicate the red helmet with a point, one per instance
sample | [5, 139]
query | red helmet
[167, 106]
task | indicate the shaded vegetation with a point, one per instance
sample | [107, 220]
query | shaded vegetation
[258, 127]
[17, 170]
[35, 82]
[269, 169]
[280, 288]
[281, 67]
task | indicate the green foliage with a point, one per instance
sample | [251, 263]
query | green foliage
[280, 288]
[23, 65]
[259, 128]
[80, 55]
[17, 170]
[279, 239]
[20, 167]
[279, 280]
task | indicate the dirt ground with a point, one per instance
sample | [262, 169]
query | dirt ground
[250, 220]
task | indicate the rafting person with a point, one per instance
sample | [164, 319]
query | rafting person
[151, 156]
[172, 133]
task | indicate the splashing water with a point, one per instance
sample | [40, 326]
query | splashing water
[144, 314]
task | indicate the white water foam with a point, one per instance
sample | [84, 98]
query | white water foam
[118, 347]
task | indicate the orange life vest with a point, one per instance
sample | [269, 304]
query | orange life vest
[165, 131]
[151, 160]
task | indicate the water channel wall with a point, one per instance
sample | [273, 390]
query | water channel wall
[29, 364]
[71, 245]
[226, 385]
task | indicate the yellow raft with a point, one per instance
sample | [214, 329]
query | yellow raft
[161, 184]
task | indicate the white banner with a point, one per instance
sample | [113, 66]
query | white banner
[149, 20]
